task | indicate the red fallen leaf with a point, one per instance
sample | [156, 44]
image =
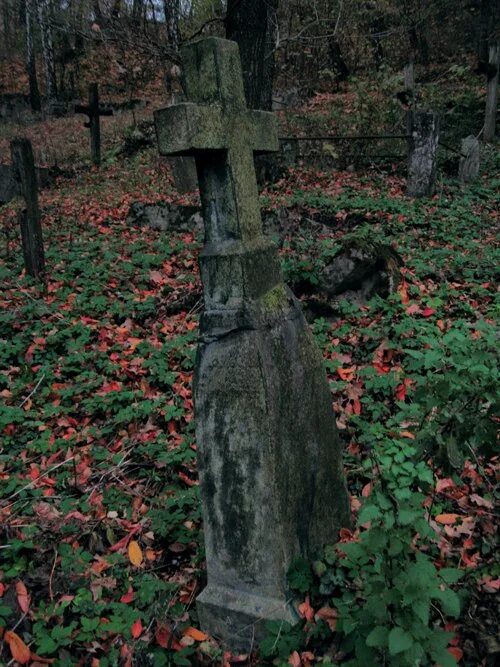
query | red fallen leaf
[456, 652]
[18, 649]
[346, 373]
[427, 312]
[136, 629]
[447, 519]
[328, 615]
[166, 639]
[187, 480]
[443, 484]
[23, 599]
[400, 392]
[2, 589]
[108, 387]
[489, 584]
[367, 489]
[38, 660]
[356, 406]
[295, 660]
[305, 610]
[123, 543]
[127, 597]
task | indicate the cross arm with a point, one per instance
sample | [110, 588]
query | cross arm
[264, 130]
[186, 128]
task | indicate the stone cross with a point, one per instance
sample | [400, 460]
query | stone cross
[23, 168]
[94, 112]
[422, 154]
[269, 459]
[468, 168]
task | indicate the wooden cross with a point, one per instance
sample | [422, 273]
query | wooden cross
[23, 165]
[94, 112]
[222, 134]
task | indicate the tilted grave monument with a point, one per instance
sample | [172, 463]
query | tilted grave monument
[269, 458]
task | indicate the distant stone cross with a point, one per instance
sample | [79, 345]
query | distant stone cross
[268, 454]
[94, 112]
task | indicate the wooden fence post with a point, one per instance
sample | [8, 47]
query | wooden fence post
[423, 144]
[23, 165]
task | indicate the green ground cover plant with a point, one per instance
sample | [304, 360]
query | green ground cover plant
[101, 555]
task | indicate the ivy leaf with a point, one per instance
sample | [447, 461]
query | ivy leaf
[377, 637]
[399, 641]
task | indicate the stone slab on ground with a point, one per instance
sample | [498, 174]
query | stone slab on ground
[164, 216]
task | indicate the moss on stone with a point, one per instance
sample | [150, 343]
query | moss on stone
[275, 298]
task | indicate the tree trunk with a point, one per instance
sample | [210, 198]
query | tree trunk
[252, 24]
[30, 58]
[48, 51]
[172, 15]
[337, 62]
[492, 92]
[97, 11]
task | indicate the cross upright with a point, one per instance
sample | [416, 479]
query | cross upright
[216, 128]
[94, 112]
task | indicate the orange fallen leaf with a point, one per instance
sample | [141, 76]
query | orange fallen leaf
[346, 373]
[196, 634]
[407, 434]
[23, 599]
[305, 610]
[135, 553]
[18, 649]
[447, 519]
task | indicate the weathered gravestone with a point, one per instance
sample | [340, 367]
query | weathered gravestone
[269, 458]
[468, 168]
[94, 112]
[23, 166]
[422, 154]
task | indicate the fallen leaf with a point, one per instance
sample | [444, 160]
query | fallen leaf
[136, 629]
[456, 652]
[135, 553]
[23, 599]
[443, 484]
[18, 649]
[196, 634]
[127, 597]
[295, 660]
[447, 519]
[305, 610]
[346, 373]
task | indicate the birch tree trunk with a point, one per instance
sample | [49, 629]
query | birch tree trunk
[30, 58]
